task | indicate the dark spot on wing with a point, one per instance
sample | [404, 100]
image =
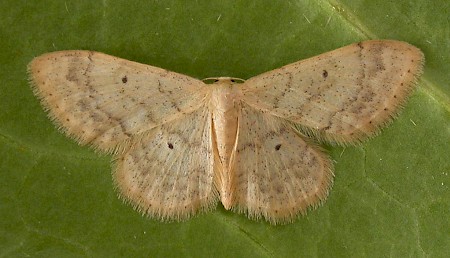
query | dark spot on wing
[277, 147]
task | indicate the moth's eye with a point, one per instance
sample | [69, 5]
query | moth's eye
[232, 80]
[216, 80]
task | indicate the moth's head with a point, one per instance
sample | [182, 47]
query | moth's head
[223, 80]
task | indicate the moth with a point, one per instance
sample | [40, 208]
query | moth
[181, 144]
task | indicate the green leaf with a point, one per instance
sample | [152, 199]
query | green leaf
[390, 196]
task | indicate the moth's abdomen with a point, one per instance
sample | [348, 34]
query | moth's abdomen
[225, 112]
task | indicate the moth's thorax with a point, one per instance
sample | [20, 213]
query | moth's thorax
[225, 103]
[225, 93]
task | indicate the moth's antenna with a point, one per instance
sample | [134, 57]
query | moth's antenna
[216, 79]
